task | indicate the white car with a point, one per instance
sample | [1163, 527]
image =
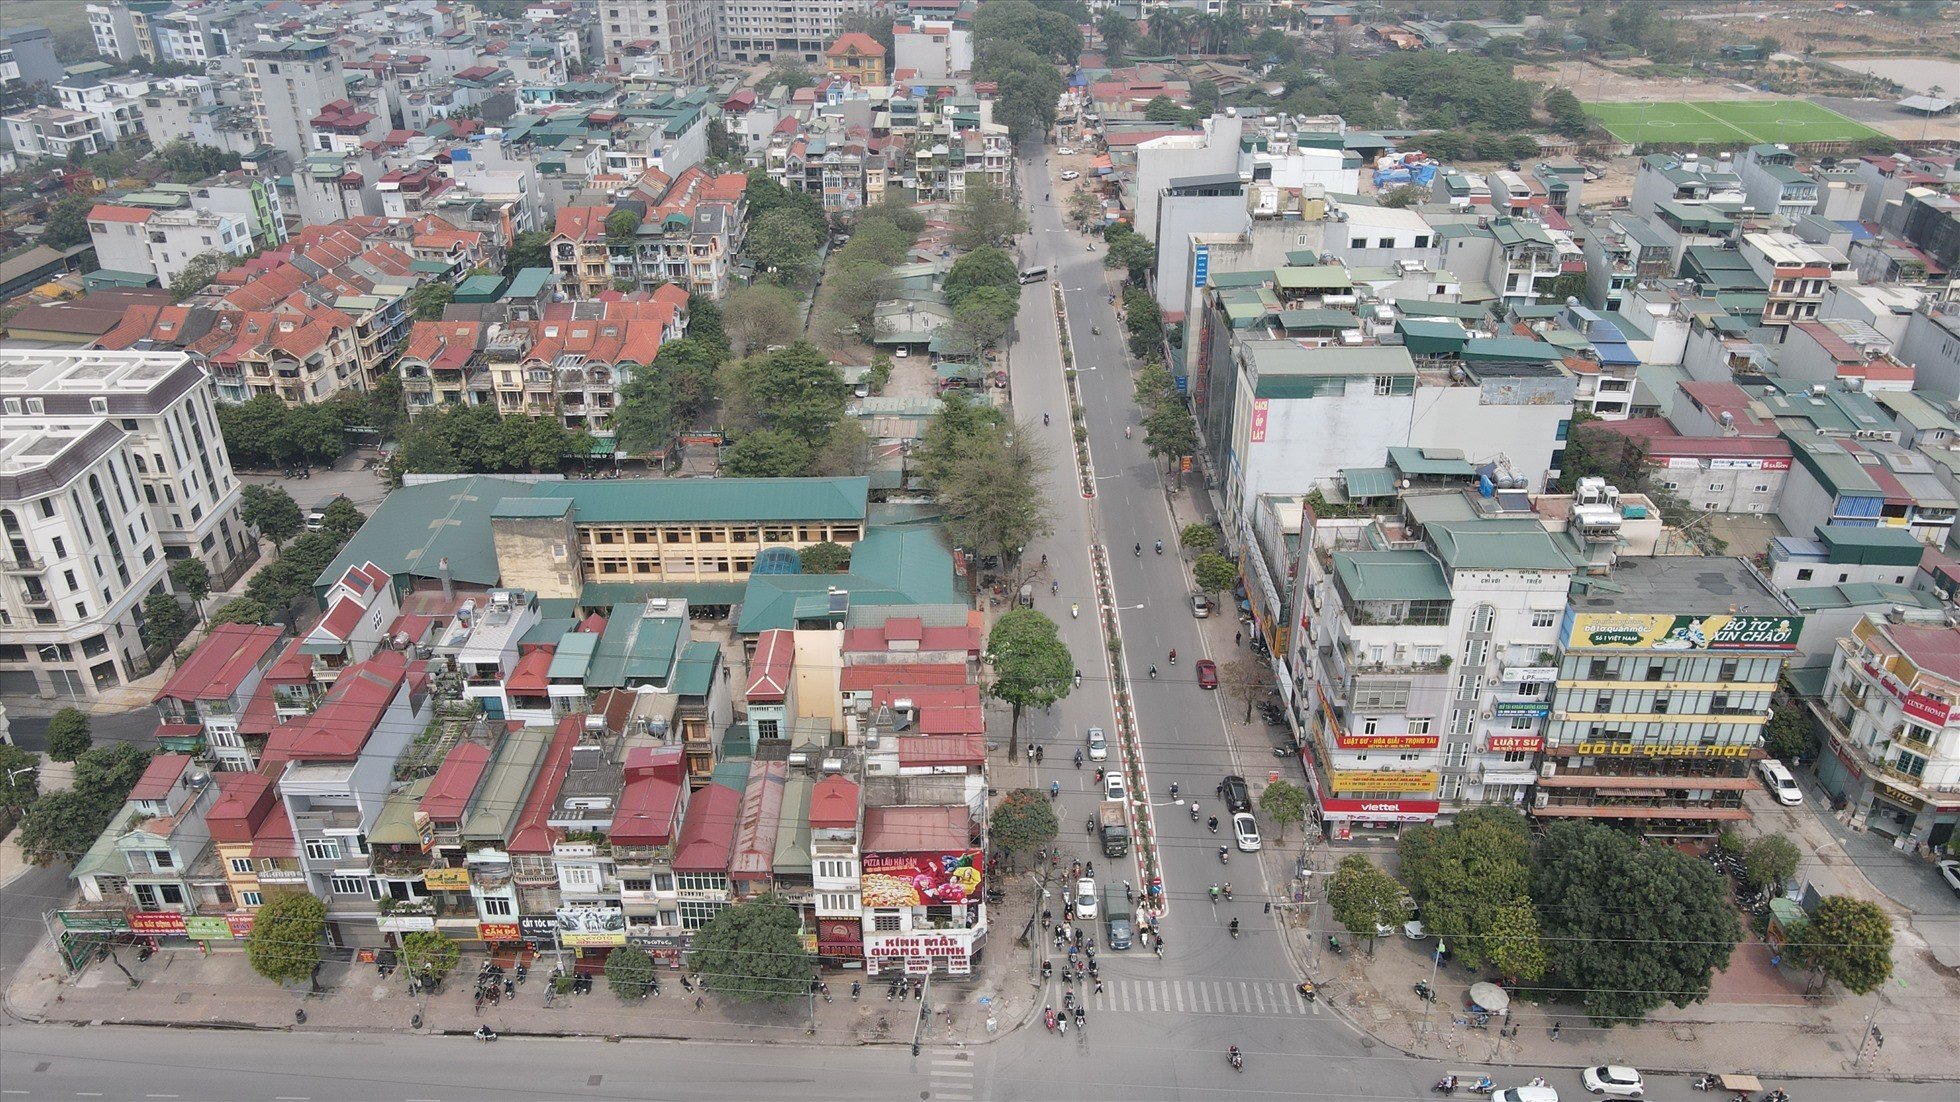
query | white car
[1113, 788]
[1071, 174]
[1613, 1079]
[1085, 898]
[1098, 744]
[1781, 783]
[1525, 1094]
[1950, 872]
[1245, 831]
[1065, 151]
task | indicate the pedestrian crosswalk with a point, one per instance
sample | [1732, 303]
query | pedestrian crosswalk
[952, 1075]
[1241, 997]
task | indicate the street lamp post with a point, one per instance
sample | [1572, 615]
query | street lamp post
[1428, 1004]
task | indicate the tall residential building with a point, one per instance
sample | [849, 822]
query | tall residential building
[110, 465]
[781, 30]
[680, 33]
[289, 82]
[1893, 728]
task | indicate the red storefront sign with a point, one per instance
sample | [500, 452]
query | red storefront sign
[157, 922]
[1260, 409]
[1514, 742]
[1380, 811]
[1924, 707]
[1387, 742]
[240, 922]
[500, 931]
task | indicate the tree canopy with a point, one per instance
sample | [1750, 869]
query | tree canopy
[1364, 898]
[1022, 822]
[670, 396]
[1031, 665]
[272, 511]
[1465, 873]
[753, 952]
[284, 945]
[783, 243]
[1848, 941]
[429, 954]
[68, 734]
[986, 216]
[629, 971]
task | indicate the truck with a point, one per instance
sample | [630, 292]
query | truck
[1116, 917]
[1115, 832]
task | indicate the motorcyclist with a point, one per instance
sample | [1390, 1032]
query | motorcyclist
[1194, 812]
[1173, 656]
[1173, 783]
[1074, 611]
[1224, 856]
[1235, 927]
[1153, 673]
[1212, 823]
[1139, 549]
[1160, 547]
[1078, 679]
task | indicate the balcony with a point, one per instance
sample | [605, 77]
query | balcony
[282, 876]
[338, 818]
[16, 564]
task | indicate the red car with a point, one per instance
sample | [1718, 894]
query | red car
[1207, 674]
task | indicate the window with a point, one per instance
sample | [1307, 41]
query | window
[1427, 656]
[1544, 617]
[579, 877]
[1805, 574]
[160, 858]
[251, 899]
[632, 885]
[698, 913]
[885, 921]
[703, 882]
[1523, 723]
[1599, 670]
[323, 849]
[354, 885]
[1419, 726]
[496, 905]
[242, 866]
[1603, 702]
[663, 881]
[1370, 725]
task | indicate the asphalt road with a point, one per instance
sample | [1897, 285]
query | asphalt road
[31, 732]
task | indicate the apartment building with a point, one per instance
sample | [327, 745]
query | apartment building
[1796, 273]
[1665, 677]
[1893, 728]
[934, 52]
[156, 854]
[1772, 183]
[858, 59]
[113, 465]
[677, 36]
[572, 362]
[56, 133]
[198, 709]
[27, 57]
[114, 28]
[780, 30]
[288, 82]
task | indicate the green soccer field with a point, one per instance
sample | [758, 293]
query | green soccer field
[1730, 122]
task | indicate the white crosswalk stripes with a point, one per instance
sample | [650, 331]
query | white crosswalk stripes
[952, 1076]
[1261, 998]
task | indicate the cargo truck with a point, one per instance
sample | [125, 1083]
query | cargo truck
[1115, 832]
[1116, 916]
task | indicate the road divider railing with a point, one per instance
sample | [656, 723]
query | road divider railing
[1085, 468]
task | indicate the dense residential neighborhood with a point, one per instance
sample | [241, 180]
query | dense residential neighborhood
[508, 500]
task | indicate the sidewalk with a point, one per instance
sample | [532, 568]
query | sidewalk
[180, 986]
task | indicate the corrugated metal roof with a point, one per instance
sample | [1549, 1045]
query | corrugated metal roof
[1391, 576]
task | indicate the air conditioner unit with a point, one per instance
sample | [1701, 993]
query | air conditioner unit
[1541, 799]
[1549, 769]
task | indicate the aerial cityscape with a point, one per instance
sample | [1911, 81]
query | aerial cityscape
[573, 549]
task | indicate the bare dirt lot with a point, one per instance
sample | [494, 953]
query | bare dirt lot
[1615, 82]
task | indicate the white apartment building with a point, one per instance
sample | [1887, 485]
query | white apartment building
[934, 52]
[114, 31]
[288, 82]
[176, 237]
[780, 30]
[110, 464]
[1893, 728]
[56, 132]
[680, 35]
[115, 100]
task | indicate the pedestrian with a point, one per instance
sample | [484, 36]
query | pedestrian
[1098, 985]
[1555, 1029]
[687, 985]
[1238, 638]
[698, 1003]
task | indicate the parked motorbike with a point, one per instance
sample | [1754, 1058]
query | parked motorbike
[485, 1034]
[1425, 992]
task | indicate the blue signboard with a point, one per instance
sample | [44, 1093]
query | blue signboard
[1200, 265]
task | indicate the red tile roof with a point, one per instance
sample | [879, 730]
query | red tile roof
[160, 777]
[215, 670]
[109, 212]
[864, 678]
[339, 728]
[444, 345]
[775, 650]
[650, 804]
[448, 796]
[708, 835]
[532, 832]
[834, 803]
[528, 676]
[244, 799]
[863, 43]
[587, 224]
[928, 750]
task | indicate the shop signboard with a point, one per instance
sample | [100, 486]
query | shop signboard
[1370, 780]
[918, 946]
[920, 879]
[1524, 708]
[1261, 409]
[1380, 811]
[538, 928]
[499, 931]
[240, 922]
[406, 924]
[1514, 742]
[94, 922]
[446, 880]
[1523, 674]
[1926, 708]
[1387, 742]
[207, 928]
[1656, 750]
[157, 922]
[1661, 632]
[582, 927]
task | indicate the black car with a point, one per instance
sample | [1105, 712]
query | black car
[1234, 792]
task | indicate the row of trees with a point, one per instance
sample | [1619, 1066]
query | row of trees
[786, 411]
[860, 273]
[1169, 431]
[988, 476]
[1623, 924]
[983, 289]
[266, 432]
[457, 439]
[1019, 45]
[61, 826]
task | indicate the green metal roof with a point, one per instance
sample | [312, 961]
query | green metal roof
[508, 782]
[1510, 348]
[793, 837]
[1431, 462]
[695, 675]
[528, 283]
[1237, 279]
[1365, 482]
[891, 567]
[1871, 546]
[573, 656]
[1822, 598]
[1498, 545]
[1391, 576]
[1319, 319]
[519, 507]
[1467, 311]
[415, 527]
[1320, 277]
[394, 825]
[1276, 359]
[480, 288]
[102, 855]
[635, 649]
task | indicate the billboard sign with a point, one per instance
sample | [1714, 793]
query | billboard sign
[1369, 780]
[1513, 742]
[580, 927]
[157, 922]
[1387, 742]
[1380, 811]
[920, 879]
[1523, 708]
[1660, 632]
[207, 927]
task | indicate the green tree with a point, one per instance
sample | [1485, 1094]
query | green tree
[761, 316]
[1568, 116]
[1628, 960]
[529, 249]
[986, 216]
[1132, 253]
[1117, 33]
[1214, 572]
[1170, 433]
[784, 244]
[1364, 898]
[429, 954]
[191, 578]
[59, 827]
[794, 389]
[1020, 25]
[1405, 195]
[197, 274]
[284, 945]
[622, 228]
[824, 558]
[1770, 862]
[1846, 940]
[165, 623]
[1198, 537]
[1165, 109]
[20, 779]
[241, 610]
[793, 75]
[1023, 822]
[994, 497]
[1285, 803]
[341, 519]
[1026, 103]
[703, 321]
[857, 286]
[767, 453]
[427, 302]
[629, 971]
[753, 952]
[1145, 322]
[68, 734]
[1512, 944]
[1565, 285]
[1153, 386]
[1032, 666]
[1791, 735]
[1463, 873]
[985, 315]
[958, 426]
[984, 267]
[845, 453]
[272, 511]
[67, 222]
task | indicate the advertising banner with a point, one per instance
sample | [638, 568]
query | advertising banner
[1514, 742]
[446, 880]
[207, 927]
[1380, 811]
[921, 947]
[1657, 750]
[580, 927]
[499, 931]
[1260, 407]
[94, 922]
[1387, 742]
[1523, 708]
[1924, 707]
[156, 922]
[1530, 673]
[920, 879]
[240, 922]
[1369, 780]
[1660, 632]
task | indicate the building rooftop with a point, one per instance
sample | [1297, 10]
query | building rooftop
[502, 792]
[1391, 576]
[218, 666]
[1677, 584]
[927, 828]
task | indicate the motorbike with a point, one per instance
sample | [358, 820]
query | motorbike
[1425, 992]
[1445, 1086]
[1706, 1082]
[1194, 813]
[1235, 929]
[1212, 823]
[1307, 990]
[1078, 679]
[1284, 751]
[485, 1034]
[1224, 856]
[1074, 611]
[1483, 1086]
[1160, 547]
[1048, 1015]
[1238, 1061]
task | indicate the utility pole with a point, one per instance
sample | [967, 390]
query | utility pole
[1435, 961]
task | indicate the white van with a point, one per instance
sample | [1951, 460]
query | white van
[1777, 778]
[1033, 275]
